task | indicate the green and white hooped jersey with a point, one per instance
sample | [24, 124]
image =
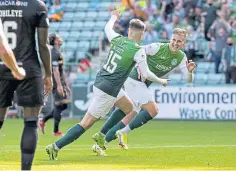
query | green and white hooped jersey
[123, 55]
[161, 61]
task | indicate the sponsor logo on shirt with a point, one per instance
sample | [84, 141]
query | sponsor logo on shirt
[163, 67]
[13, 3]
[174, 62]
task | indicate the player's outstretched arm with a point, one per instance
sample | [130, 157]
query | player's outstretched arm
[109, 26]
[8, 57]
[140, 58]
[187, 69]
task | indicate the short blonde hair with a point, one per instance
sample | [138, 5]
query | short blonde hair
[181, 32]
[137, 24]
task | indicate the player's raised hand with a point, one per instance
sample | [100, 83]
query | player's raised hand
[116, 13]
[190, 65]
[19, 74]
[47, 86]
[164, 82]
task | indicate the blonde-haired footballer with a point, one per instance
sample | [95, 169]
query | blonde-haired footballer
[162, 59]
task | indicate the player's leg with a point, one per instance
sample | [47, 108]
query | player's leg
[42, 123]
[7, 89]
[111, 134]
[149, 112]
[99, 107]
[30, 96]
[57, 114]
[115, 117]
[140, 95]
[60, 106]
[124, 106]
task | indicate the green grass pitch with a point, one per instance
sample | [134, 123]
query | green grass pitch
[159, 145]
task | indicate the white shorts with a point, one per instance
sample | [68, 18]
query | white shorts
[102, 102]
[138, 92]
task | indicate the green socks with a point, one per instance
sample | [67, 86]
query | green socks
[142, 118]
[111, 135]
[74, 133]
[115, 117]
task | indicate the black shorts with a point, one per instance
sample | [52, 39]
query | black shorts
[59, 97]
[29, 92]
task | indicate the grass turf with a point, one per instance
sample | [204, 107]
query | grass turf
[159, 145]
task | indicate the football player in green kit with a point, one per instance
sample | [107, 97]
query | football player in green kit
[123, 55]
[162, 59]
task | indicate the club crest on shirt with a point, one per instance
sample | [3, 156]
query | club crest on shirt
[174, 62]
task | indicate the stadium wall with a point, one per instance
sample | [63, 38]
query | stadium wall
[175, 102]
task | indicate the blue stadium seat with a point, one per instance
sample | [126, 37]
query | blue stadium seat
[71, 45]
[68, 16]
[215, 78]
[86, 35]
[77, 26]
[91, 15]
[54, 26]
[64, 34]
[65, 26]
[70, 7]
[74, 36]
[200, 78]
[88, 25]
[103, 15]
[83, 5]
[94, 44]
[80, 55]
[202, 67]
[69, 54]
[52, 30]
[79, 16]
[100, 25]
[85, 45]
[175, 78]
[212, 67]
[98, 35]
[105, 4]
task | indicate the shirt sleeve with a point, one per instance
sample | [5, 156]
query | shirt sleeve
[140, 56]
[42, 15]
[152, 49]
[111, 34]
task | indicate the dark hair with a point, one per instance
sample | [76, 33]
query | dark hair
[52, 38]
[137, 24]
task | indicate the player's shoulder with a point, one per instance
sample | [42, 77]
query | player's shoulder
[182, 53]
[153, 48]
[40, 5]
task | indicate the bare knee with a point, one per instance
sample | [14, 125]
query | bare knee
[127, 109]
[125, 105]
[152, 108]
[87, 121]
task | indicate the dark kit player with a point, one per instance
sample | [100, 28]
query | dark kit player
[20, 20]
[60, 86]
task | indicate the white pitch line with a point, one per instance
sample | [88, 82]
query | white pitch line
[42, 148]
